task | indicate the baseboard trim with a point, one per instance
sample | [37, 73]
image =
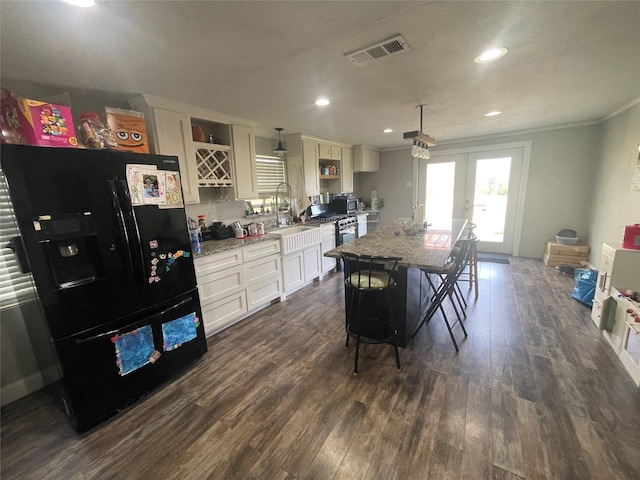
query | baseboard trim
[23, 387]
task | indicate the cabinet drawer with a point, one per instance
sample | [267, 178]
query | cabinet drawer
[221, 314]
[328, 231]
[263, 292]
[260, 250]
[217, 262]
[218, 285]
[260, 270]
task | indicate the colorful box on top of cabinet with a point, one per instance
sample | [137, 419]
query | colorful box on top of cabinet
[557, 255]
[129, 129]
[34, 122]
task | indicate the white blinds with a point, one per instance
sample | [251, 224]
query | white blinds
[15, 286]
[271, 172]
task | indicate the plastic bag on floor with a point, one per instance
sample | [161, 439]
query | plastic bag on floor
[585, 287]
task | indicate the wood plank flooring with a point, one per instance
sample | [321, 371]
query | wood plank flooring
[534, 393]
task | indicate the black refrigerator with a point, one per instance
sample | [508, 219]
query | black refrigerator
[109, 251]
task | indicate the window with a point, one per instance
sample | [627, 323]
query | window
[15, 286]
[271, 172]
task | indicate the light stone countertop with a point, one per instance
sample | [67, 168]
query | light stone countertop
[211, 247]
[430, 249]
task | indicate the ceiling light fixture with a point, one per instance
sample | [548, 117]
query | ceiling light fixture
[491, 55]
[387, 130]
[493, 114]
[280, 150]
[322, 102]
[421, 141]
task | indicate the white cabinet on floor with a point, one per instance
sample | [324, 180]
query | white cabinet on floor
[619, 268]
[221, 285]
[362, 224]
[300, 268]
[262, 273]
[328, 243]
[235, 283]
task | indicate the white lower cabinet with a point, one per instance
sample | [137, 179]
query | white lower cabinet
[301, 267]
[328, 243]
[362, 224]
[234, 283]
[312, 263]
[293, 271]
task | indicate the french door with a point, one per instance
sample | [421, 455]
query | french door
[486, 186]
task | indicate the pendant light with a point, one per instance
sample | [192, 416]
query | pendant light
[280, 150]
[421, 141]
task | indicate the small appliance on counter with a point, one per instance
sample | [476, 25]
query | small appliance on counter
[344, 204]
[218, 231]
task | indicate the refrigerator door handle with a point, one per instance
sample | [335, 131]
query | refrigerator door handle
[135, 230]
[111, 333]
[135, 242]
[121, 222]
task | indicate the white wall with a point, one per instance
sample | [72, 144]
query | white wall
[559, 189]
[390, 182]
[614, 204]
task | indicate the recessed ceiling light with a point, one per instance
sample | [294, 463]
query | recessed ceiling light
[490, 55]
[322, 102]
[388, 130]
[81, 3]
[492, 114]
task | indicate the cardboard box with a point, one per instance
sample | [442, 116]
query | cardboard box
[36, 123]
[555, 248]
[129, 129]
[557, 255]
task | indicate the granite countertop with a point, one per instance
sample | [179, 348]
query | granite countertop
[430, 249]
[211, 247]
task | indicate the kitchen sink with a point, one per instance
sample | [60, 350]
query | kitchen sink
[298, 238]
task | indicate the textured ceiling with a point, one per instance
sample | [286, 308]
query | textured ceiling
[267, 61]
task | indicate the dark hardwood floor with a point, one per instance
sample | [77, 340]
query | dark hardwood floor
[535, 393]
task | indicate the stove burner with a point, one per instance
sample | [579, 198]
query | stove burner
[347, 222]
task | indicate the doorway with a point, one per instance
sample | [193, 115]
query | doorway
[485, 185]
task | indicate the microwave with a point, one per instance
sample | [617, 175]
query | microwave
[344, 205]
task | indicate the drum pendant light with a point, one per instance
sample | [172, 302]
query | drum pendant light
[280, 150]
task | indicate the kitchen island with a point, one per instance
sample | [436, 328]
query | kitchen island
[429, 249]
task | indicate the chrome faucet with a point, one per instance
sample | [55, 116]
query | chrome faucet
[287, 188]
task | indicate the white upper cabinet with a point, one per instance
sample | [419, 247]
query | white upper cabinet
[302, 165]
[365, 159]
[226, 158]
[310, 167]
[244, 163]
[170, 134]
[328, 151]
[346, 174]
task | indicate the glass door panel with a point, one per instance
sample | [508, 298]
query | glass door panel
[438, 210]
[483, 187]
[490, 198]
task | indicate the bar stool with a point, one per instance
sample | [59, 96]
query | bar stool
[369, 281]
[470, 274]
[448, 275]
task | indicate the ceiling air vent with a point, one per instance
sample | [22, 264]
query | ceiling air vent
[378, 50]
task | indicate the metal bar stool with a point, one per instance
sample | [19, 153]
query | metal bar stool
[449, 275]
[471, 271]
[368, 281]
